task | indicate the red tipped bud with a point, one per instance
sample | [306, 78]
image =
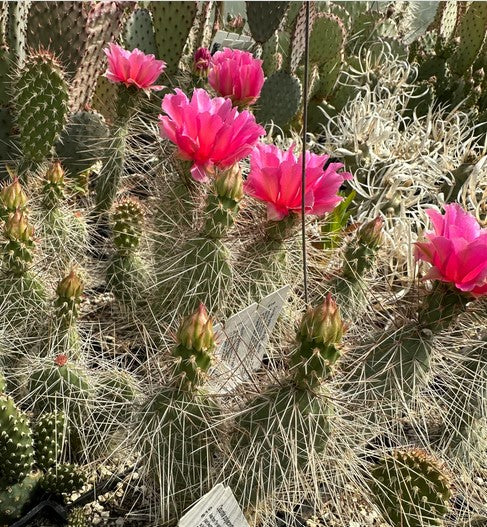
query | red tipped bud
[323, 324]
[196, 331]
[61, 360]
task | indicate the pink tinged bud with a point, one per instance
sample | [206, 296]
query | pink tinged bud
[275, 179]
[202, 59]
[133, 68]
[196, 331]
[70, 287]
[237, 75]
[456, 250]
[323, 324]
[235, 22]
[371, 233]
[229, 183]
[61, 360]
[208, 131]
[55, 173]
[17, 227]
[13, 196]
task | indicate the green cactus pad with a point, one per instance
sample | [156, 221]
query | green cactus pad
[49, 435]
[41, 99]
[59, 27]
[264, 18]
[105, 98]
[139, 32]
[82, 142]
[17, 30]
[127, 276]
[16, 444]
[280, 99]
[64, 478]
[327, 39]
[172, 24]
[472, 33]
[78, 518]
[2, 382]
[275, 436]
[445, 19]
[411, 488]
[59, 385]
[178, 433]
[14, 498]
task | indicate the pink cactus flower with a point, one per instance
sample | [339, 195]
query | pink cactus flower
[202, 59]
[237, 75]
[133, 68]
[208, 131]
[456, 249]
[275, 178]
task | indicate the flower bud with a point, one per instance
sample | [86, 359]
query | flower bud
[201, 63]
[13, 196]
[370, 233]
[323, 324]
[196, 331]
[229, 183]
[17, 227]
[70, 287]
[61, 360]
[55, 173]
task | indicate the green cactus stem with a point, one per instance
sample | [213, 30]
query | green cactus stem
[411, 488]
[18, 249]
[201, 271]
[78, 518]
[127, 273]
[41, 98]
[277, 435]
[179, 425]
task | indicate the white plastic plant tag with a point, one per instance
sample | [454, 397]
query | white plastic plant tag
[243, 340]
[224, 39]
[218, 508]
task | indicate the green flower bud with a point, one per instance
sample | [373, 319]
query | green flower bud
[13, 196]
[70, 287]
[17, 228]
[370, 233]
[322, 324]
[229, 183]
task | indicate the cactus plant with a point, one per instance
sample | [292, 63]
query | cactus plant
[41, 100]
[411, 488]
[49, 433]
[280, 431]
[178, 427]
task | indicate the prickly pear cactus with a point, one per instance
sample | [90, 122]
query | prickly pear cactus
[15, 497]
[49, 434]
[280, 99]
[64, 478]
[16, 443]
[172, 23]
[264, 18]
[411, 488]
[179, 425]
[139, 32]
[41, 100]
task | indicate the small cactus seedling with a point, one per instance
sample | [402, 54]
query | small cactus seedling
[411, 489]
[63, 479]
